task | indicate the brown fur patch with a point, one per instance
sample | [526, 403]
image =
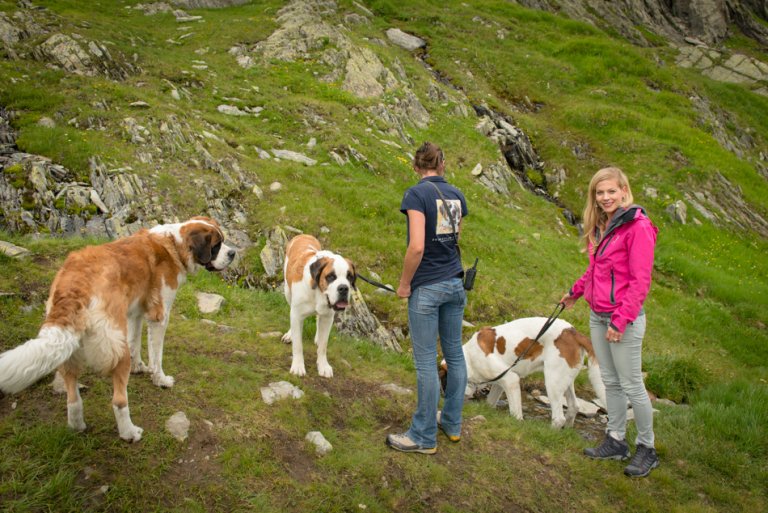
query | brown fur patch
[486, 340]
[501, 345]
[532, 353]
[297, 253]
[319, 271]
[200, 237]
[569, 345]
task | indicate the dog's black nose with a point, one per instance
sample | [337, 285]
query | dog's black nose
[343, 290]
[231, 254]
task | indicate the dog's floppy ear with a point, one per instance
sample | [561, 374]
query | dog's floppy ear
[353, 271]
[200, 245]
[316, 269]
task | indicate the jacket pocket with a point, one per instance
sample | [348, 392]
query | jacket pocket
[613, 288]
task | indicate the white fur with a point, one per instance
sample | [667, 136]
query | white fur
[305, 301]
[155, 339]
[125, 427]
[75, 419]
[558, 375]
[23, 365]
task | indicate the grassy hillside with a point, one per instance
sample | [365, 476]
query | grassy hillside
[585, 98]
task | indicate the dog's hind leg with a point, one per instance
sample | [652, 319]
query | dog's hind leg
[324, 323]
[573, 406]
[120, 374]
[297, 349]
[75, 420]
[557, 382]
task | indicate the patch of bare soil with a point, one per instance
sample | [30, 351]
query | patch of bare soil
[298, 463]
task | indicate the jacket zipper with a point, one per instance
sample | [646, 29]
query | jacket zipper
[613, 286]
[605, 245]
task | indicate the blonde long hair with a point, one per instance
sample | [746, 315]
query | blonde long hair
[594, 216]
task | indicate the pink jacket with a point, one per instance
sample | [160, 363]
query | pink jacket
[618, 277]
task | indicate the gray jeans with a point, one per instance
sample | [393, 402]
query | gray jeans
[621, 370]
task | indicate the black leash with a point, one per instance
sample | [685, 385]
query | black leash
[558, 310]
[377, 284]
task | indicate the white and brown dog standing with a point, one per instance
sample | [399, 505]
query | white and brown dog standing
[96, 308]
[317, 282]
[559, 352]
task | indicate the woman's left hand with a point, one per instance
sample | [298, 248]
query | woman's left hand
[612, 335]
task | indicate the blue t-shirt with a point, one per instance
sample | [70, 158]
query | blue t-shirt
[441, 259]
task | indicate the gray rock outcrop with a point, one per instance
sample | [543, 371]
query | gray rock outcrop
[304, 33]
[90, 58]
[707, 20]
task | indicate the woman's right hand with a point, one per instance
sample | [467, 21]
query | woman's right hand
[568, 300]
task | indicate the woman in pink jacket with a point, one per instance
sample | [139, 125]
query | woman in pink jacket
[619, 239]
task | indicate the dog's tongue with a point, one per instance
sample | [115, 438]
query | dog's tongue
[341, 305]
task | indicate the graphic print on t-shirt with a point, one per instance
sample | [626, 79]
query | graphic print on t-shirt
[453, 210]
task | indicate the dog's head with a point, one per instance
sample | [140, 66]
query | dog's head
[205, 241]
[335, 277]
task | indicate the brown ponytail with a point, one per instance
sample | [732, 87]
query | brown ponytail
[428, 157]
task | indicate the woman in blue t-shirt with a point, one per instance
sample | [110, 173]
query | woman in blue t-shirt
[432, 282]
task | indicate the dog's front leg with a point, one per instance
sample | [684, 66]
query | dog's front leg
[157, 321]
[324, 323]
[494, 395]
[156, 338]
[297, 363]
[511, 384]
[134, 340]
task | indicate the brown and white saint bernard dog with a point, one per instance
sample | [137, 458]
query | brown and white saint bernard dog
[316, 282]
[559, 352]
[96, 307]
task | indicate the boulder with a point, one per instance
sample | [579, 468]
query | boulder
[404, 40]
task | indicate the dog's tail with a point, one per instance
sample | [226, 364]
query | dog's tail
[593, 367]
[22, 366]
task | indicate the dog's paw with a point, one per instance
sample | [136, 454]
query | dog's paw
[559, 423]
[298, 369]
[162, 381]
[131, 433]
[77, 425]
[325, 371]
[286, 339]
[140, 368]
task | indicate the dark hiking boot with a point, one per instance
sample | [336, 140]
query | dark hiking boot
[644, 460]
[609, 449]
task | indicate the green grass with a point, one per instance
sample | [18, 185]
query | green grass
[706, 341]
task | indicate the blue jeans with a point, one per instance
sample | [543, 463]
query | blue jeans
[621, 370]
[433, 309]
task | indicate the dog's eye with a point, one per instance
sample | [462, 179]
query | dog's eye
[330, 277]
[215, 249]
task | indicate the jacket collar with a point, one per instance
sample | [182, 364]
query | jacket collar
[621, 217]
